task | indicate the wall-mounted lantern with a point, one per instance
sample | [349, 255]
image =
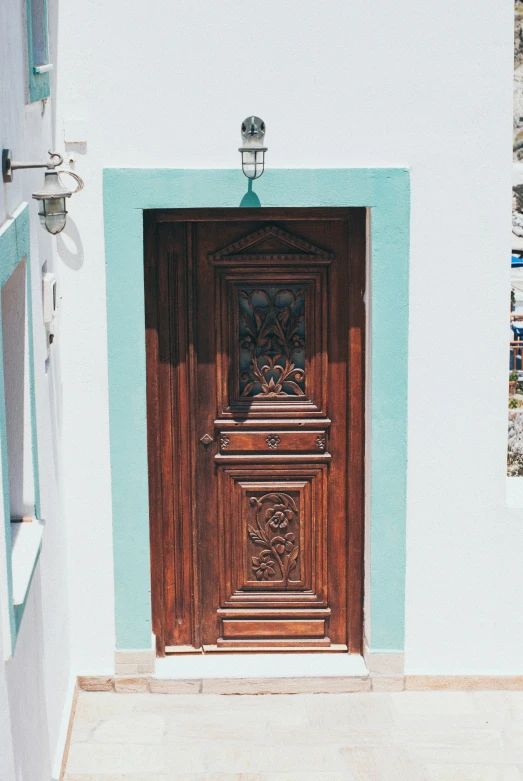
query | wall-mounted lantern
[52, 212]
[253, 151]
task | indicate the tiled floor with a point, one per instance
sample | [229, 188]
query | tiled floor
[404, 736]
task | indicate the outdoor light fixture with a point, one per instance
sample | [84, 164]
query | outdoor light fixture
[52, 213]
[253, 151]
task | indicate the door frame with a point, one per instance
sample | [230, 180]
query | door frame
[385, 193]
[355, 400]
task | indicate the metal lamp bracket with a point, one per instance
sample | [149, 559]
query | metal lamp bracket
[9, 165]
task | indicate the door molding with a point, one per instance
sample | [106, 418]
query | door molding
[386, 194]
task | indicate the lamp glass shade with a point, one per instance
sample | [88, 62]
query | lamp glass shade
[53, 214]
[253, 162]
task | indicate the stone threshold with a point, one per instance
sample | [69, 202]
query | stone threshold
[299, 685]
[155, 685]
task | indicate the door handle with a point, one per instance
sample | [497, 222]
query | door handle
[206, 440]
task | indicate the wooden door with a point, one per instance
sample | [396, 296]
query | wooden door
[255, 336]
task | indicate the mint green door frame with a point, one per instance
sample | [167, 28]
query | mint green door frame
[386, 192]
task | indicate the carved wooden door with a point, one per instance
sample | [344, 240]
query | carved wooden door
[255, 416]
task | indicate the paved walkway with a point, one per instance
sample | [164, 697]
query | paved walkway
[404, 736]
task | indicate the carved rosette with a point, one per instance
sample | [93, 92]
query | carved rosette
[321, 441]
[273, 441]
[224, 441]
[271, 533]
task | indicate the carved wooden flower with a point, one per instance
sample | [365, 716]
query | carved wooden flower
[278, 517]
[283, 544]
[246, 343]
[273, 440]
[297, 342]
[263, 567]
[321, 441]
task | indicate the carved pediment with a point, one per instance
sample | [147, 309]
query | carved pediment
[271, 243]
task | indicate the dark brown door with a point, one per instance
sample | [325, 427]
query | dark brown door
[255, 323]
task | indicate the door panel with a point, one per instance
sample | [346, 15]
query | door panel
[272, 519]
[255, 408]
[271, 341]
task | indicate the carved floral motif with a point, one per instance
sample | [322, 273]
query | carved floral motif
[263, 566]
[280, 511]
[224, 441]
[273, 441]
[272, 342]
[321, 441]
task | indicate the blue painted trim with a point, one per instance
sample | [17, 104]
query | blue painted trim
[14, 247]
[5, 472]
[23, 239]
[386, 192]
[39, 83]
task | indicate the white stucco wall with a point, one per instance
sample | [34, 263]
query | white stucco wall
[339, 84]
[35, 685]
[6, 743]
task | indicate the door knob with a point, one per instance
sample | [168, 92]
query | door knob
[206, 440]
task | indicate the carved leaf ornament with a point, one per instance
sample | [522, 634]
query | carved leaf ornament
[272, 342]
[274, 513]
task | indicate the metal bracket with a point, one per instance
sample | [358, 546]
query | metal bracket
[8, 165]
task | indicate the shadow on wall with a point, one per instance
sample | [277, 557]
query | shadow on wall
[250, 199]
[69, 246]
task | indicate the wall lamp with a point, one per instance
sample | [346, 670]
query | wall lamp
[253, 151]
[52, 212]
